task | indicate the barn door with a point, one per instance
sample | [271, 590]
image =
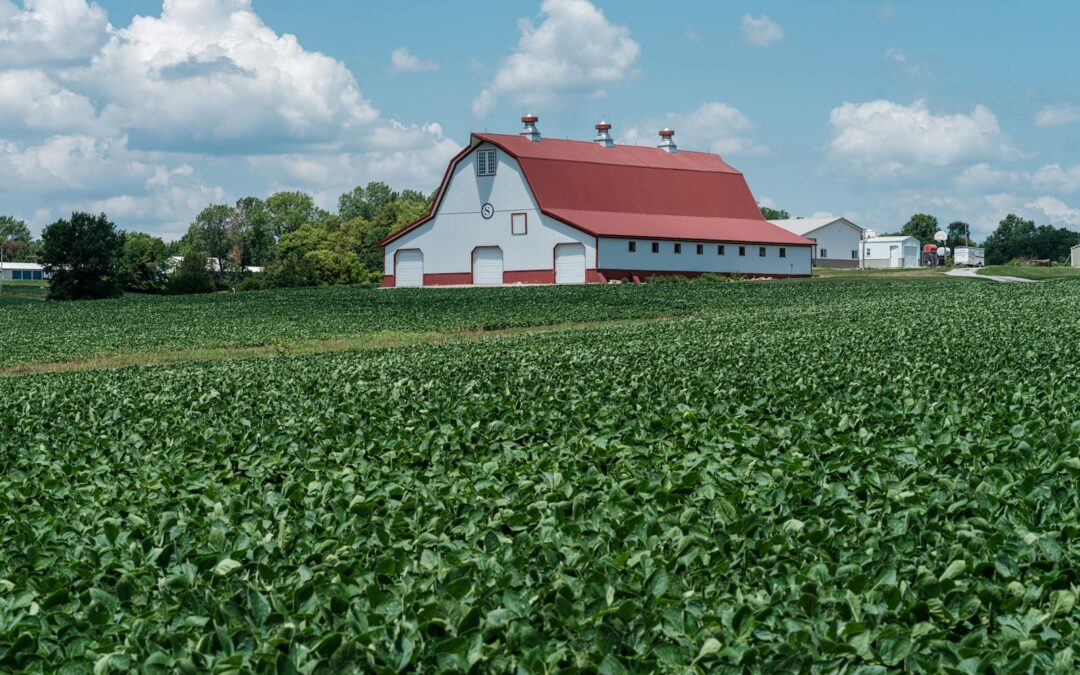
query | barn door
[487, 266]
[570, 264]
[410, 268]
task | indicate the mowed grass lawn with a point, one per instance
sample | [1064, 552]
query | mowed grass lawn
[816, 477]
[1029, 272]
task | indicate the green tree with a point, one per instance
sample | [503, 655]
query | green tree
[774, 214]
[922, 226]
[141, 265]
[1019, 238]
[364, 202]
[290, 210]
[14, 238]
[251, 233]
[82, 256]
[210, 234]
[959, 233]
[191, 275]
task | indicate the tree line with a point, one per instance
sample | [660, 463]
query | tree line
[1015, 239]
[286, 238]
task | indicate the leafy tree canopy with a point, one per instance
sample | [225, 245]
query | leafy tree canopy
[142, 262]
[1017, 237]
[82, 255]
[922, 226]
[774, 214]
[191, 276]
[290, 210]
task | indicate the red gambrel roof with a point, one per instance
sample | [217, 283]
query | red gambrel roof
[631, 191]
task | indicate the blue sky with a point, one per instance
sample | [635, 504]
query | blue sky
[874, 110]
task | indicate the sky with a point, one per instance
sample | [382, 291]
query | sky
[150, 111]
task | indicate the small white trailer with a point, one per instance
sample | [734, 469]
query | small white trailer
[970, 256]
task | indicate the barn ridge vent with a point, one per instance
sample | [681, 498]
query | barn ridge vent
[667, 141]
[603, 134]
[530, 131]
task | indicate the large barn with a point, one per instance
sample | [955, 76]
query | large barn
[533, 210]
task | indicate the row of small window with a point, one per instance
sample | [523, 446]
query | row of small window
[721, 249]
[27, 275]
[824, 253]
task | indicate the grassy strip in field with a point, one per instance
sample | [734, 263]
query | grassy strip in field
[388, 339]
[911, 273]
[1029, 272]
[55, 331]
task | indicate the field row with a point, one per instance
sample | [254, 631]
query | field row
[886, 477]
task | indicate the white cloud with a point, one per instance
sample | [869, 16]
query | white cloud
[50, 31]
[983, 176]
[31, 101]
[129, 118]
[483, 104]
[900, 58]
[574, 50]
[404, 61]
[1056, 177]
[886, 12]
[716, 127]
[1058, 115]
[70, 164]
[210, 75]
[1056, 210]
[880, 138]
[692, 36]
[760, 31]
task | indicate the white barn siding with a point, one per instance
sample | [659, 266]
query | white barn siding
[615, 255]
[878, 253]
[448, 239]
[1075, 256]
[837, 245]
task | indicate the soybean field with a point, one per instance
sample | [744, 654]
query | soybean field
[843, 477]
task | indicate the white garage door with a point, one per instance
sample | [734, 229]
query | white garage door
[570, 264]
[487, 266]
[410, 268]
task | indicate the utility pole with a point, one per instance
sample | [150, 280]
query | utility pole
[2, 266]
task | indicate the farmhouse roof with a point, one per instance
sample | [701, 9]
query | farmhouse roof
[15, 266]
[632, 191]
[803, 226]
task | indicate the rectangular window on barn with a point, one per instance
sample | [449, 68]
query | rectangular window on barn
[868, 251]
[720, 249]
[742, 250]
[37, 276]
[700, 249]
[783, 252]
[678, 248]
[854, 255]
[761, 251]
[632, 247]
[656, 247]
[485, 163]
[519, 223]
[824, 253]
[16, 275]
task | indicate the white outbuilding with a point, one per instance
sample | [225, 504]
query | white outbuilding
[531, 210]
[1074, 256]
[836, 240]
[18, 271]
[890, 252]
